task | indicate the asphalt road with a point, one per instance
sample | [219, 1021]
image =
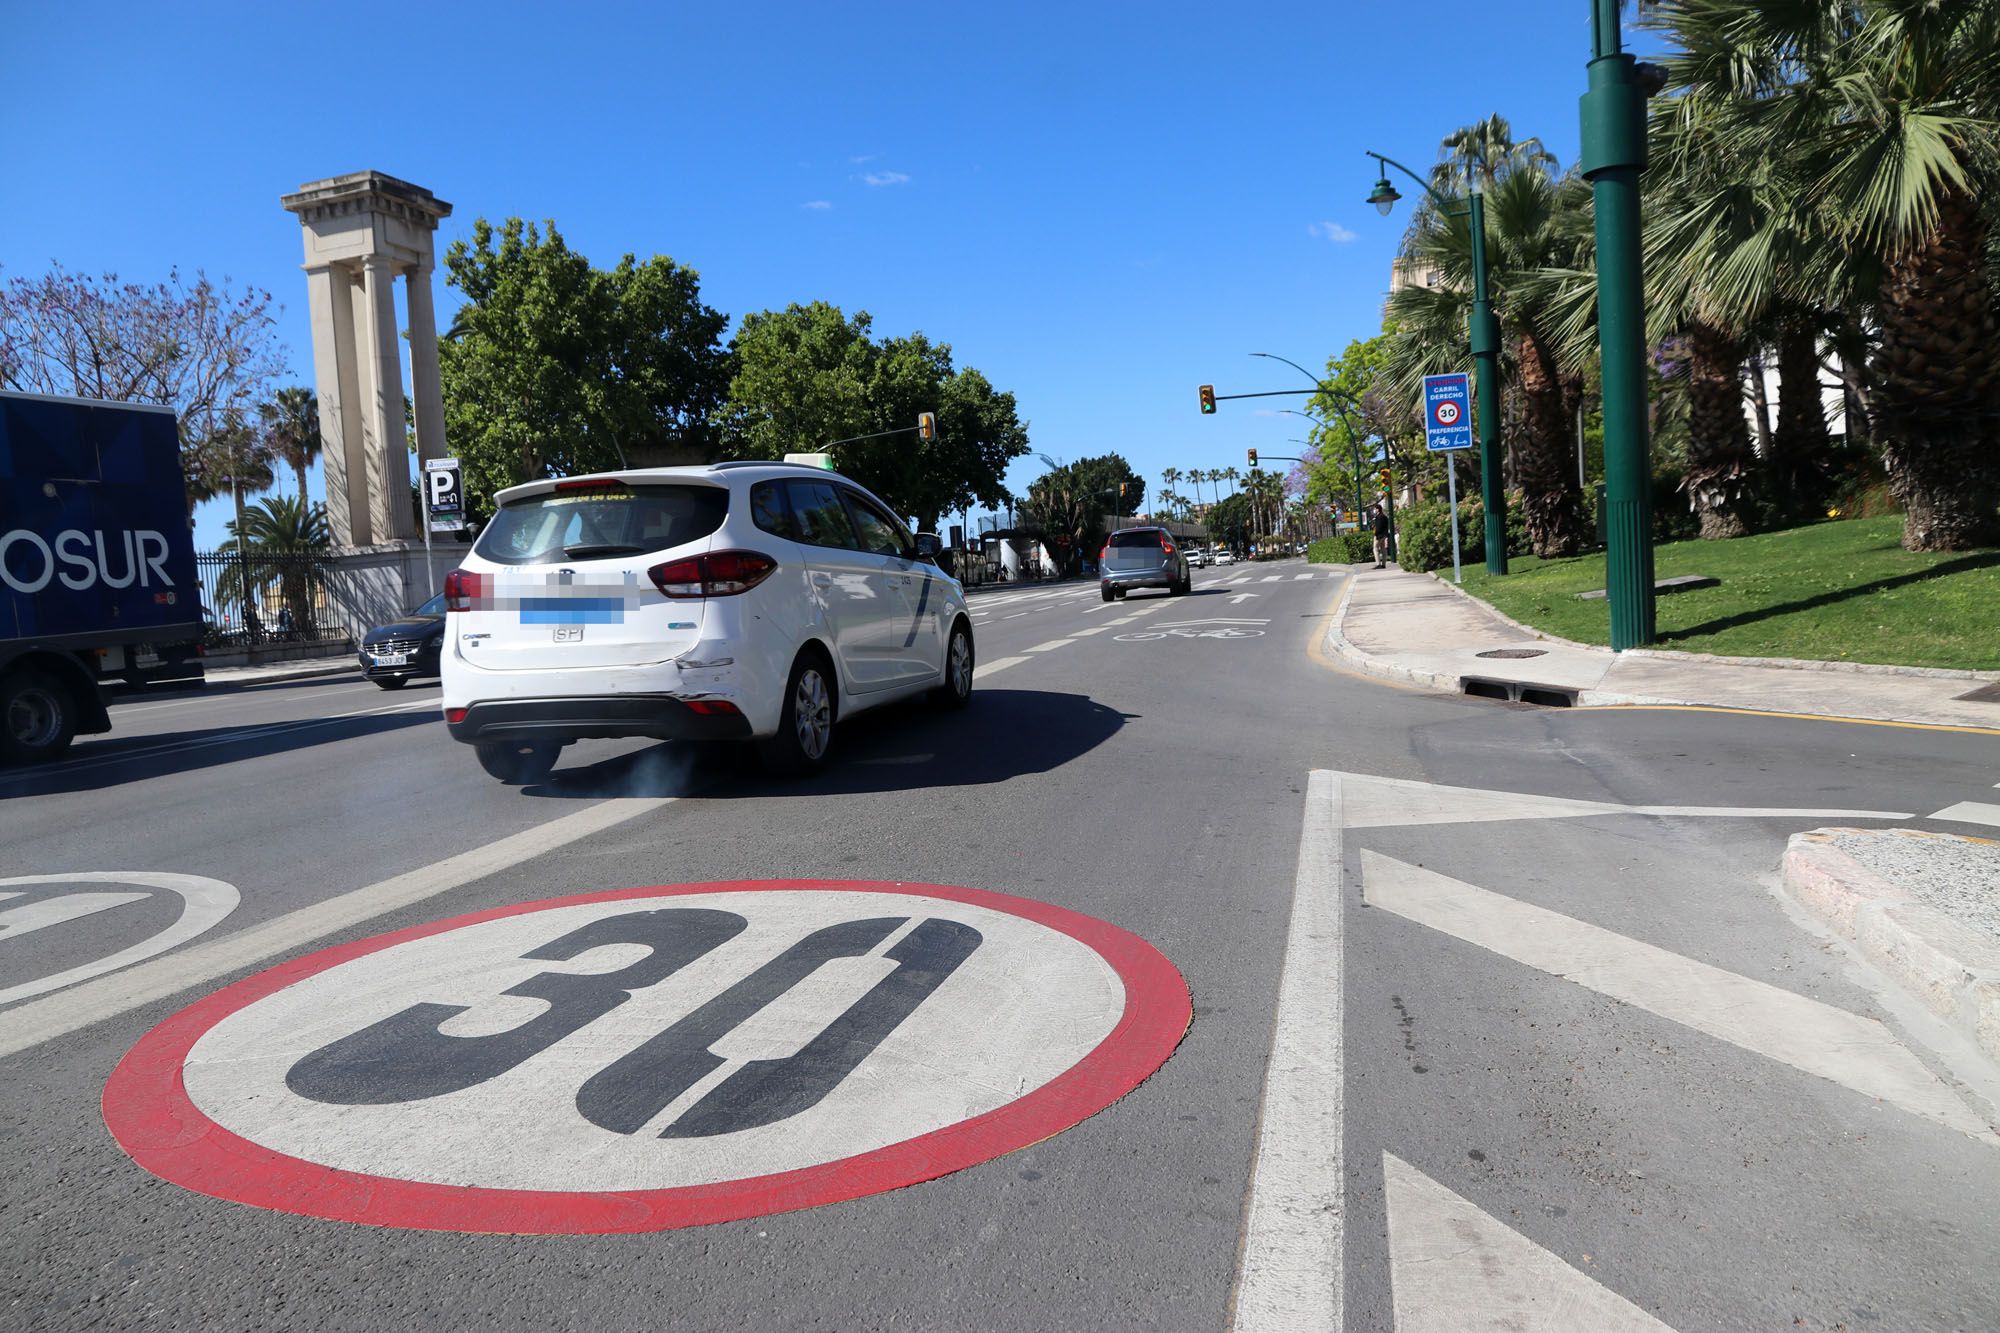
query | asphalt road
[1452, 1053]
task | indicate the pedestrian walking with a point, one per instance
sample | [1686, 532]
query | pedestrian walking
[1380, 519]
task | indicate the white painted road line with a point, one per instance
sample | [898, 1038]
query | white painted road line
[985, 669]
[1971, 812]
[1850, 1050]
[1290, 1269]
[1016, 616]
[1270, 578]
[105, 997]
[1299, 578]
[1045, 647]
[1453, 1268]
[1373, 802]
[1086, 633]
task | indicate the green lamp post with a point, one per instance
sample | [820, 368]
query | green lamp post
[1485, 339]
[1614, 152]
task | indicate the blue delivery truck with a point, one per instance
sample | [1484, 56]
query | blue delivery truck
[97, 569]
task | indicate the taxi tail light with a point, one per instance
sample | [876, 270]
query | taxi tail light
[714, 708]
[1166, 545]
[716, 574]
[455, 715]
[1104, 554]
[462, 588]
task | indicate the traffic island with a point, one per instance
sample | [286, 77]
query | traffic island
[1924, 907]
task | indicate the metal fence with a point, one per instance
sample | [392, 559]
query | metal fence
[268, 598]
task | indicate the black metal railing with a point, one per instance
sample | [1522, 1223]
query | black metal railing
[259, 599]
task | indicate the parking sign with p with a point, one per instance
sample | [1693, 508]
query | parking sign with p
[444, 494]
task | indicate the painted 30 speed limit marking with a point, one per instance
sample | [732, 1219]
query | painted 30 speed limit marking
[650, 1058]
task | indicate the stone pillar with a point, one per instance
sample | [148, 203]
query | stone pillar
[342, 455]
[361, 231]
[382, 404]
[425, 392]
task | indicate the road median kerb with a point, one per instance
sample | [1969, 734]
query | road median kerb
[1952, 967]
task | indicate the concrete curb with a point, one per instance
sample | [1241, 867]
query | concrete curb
[1344, 648]
[336, 668]
[1953, 970]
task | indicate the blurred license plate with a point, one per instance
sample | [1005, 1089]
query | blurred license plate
[392, 659]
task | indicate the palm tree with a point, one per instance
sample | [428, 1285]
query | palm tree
[291, 428]
[275, 540]
[1889, 109]
[1534, 229]
[1232, 476]
[1170, 477]
[1480, 153]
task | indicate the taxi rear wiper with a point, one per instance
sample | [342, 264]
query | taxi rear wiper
[585, 550]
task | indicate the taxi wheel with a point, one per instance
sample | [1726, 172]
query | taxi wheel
[805, 729]
[1107, 593]
[956, 692]
[518, 763]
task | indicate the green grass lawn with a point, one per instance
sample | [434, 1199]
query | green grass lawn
[1842, 591]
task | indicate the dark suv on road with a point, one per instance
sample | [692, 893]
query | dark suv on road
[1141, 558]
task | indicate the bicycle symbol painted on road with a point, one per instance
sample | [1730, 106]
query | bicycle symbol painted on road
[1198, 629]
[1213, 632]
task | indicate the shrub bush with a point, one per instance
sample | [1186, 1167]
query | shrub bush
[1348, 548]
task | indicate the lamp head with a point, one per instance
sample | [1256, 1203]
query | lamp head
[1384, 195]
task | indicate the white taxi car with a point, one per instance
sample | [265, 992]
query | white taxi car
[752, 601]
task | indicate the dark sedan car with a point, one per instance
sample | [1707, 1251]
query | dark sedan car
[395, 653]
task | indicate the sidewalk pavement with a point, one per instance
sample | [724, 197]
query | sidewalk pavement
[1923, 907]
[1417, 628]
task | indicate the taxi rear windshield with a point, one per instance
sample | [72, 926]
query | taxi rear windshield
[1151, 539]
[601, 522]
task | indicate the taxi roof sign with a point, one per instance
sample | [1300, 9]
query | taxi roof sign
[820, 460]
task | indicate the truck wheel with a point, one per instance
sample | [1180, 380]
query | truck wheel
[518, 763]
[38, 716]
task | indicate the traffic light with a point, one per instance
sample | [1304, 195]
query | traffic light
[927, 425]
[1122, 487]
[1253, 458]
[1208, 399]
[1384, 475]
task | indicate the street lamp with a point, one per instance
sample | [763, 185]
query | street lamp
[1614, 152]
[1485, 340]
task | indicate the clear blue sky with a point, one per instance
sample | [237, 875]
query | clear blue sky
[1101, 206]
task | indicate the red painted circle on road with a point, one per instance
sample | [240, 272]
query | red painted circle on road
[148, 1108]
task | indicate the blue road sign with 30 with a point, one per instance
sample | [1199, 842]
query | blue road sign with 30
[1447, 412]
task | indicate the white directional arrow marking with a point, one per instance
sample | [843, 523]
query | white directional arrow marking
[1454, 1268]
[1243, 596]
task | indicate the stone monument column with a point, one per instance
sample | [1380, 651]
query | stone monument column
[425, 394]
[382, 405]
[363, 231]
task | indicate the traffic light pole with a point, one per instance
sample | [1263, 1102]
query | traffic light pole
[1614, 152]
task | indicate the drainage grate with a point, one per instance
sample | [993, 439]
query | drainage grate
[1514, 652]
[1985, 694]
[1518, 691]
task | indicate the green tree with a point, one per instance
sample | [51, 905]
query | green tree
[554, 367]
[809, 375]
